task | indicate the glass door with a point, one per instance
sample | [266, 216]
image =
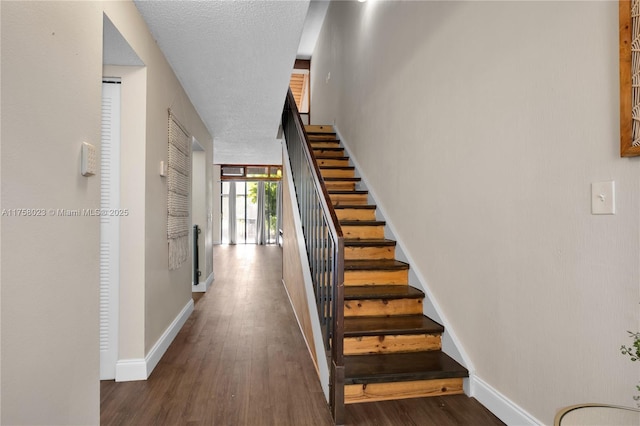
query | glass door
[250, 203]
[246, 212]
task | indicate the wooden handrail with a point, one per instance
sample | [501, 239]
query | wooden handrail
[325, 248]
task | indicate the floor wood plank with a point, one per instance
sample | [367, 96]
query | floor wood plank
[240, 359]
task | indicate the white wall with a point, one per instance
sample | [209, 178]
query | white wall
[51, 91]
[207, 266]
[52, 57]
[199, 205]
[481, 126]
[217, 204]
[166, 292]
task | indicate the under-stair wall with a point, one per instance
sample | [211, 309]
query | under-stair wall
[296, 276]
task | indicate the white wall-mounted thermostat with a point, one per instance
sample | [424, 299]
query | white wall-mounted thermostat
[89, 166]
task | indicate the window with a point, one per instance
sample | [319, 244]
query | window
[246, 172]
[250, 204]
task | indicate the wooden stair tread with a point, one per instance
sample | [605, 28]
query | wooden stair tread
[342, 179]
[374, 264]
[362, 222]
[330, 148]
[312, 133]
[337, 167]
[394, 325]
[397, 367]
[356, 206]
[347, 191]
[370, 292]
[355, 242]
[328, 157]
[332, 141]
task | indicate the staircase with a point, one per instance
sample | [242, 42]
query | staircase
[391, 350]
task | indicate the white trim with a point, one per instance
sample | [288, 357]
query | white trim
[161, 346]
[140, 369]
[503, 408]
[128, 370]
[203, 286]
[451, 345]
[322, 363]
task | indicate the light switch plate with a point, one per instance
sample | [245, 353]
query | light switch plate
[603, 200]
[89, 166]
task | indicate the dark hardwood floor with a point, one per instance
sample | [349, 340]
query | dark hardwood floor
[241, 360]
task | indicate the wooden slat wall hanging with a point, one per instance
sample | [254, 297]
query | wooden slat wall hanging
[629, 12]
[178, 189]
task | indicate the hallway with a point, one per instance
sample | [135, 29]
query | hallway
[241, 360]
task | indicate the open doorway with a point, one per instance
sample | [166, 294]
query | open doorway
[250, 202]
[199, 216]
[121, 260]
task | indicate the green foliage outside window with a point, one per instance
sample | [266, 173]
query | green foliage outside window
[270, 200]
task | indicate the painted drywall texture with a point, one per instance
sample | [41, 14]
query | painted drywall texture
[199, 206]
[480, 126]
[52, 59]
[217, 204]
[166, 292]
[51, 103]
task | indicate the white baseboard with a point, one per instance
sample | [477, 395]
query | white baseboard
[140, 369]
[202, 286]
[501, 406]
[161, 346]
[128, 370]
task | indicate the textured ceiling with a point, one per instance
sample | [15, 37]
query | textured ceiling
[234, 59]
